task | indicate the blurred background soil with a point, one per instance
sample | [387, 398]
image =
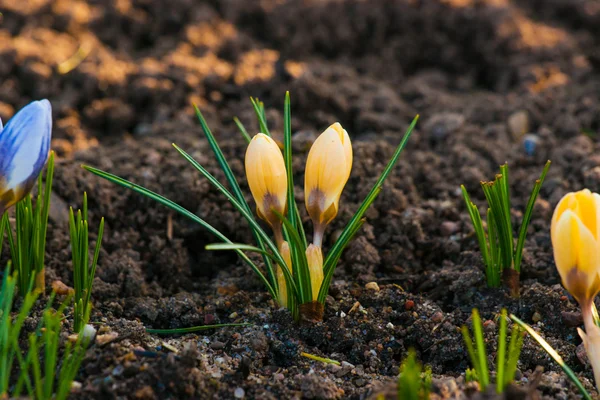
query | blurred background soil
[493, 81]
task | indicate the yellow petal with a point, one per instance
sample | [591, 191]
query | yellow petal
[266, 175]
[328, 168]
[285, 253]
[576, 254]
[314, 256]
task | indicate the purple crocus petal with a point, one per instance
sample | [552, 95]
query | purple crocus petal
[24, 146]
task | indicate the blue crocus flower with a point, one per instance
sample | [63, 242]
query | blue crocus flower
[24, 147]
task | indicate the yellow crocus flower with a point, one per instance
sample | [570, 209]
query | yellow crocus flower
[575, 233]
[266, 175]
[575, 239]
[314, 257]
[327, 171]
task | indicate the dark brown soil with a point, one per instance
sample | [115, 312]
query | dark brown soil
[468, 67]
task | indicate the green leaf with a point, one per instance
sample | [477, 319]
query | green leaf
[242, 129]
[294, 214]
[527, 217]
[343, 240]
[192, 329]
[176, 207]
[245, 213]
[259, 109]
[552, 353]
[501, 358]
[235, 187]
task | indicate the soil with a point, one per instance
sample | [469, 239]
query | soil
[481, 74]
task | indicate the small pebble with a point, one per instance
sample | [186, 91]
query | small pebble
[372, 286]
[233, 315]
[342, 314]
[437, 317]
[106, 338]
[390, 325]
[89, 332]
[489, 326]
[278, 377]
[239, 393]
[409, 305]
[518, 123]
[60, 288]
[530, 142]
[572, 319]
[448, 228]
[537, 317]
[216, 345]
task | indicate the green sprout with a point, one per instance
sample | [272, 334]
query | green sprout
[506, 361]
[555, 356]
[500, 255]
[296, 280]
[10, 328]
[413, 383]
[28, 244]
[53, 377]
[83, 271]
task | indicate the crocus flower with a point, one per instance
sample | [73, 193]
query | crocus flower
[24, 146]
[575, 233]
[266, 175]
[314, 257]
[327, 171]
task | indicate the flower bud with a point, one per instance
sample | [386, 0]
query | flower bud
[24, 147]
[266, 175]
[327, 171]
[283, 294]
[314, 256]
[575, 232]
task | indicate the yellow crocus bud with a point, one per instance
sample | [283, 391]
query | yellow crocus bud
[327, 171]
[266, 175]
[575, 233]
[314, 256]
[285, 253]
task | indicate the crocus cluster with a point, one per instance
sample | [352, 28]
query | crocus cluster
[327, 171]
[575, 232]
[24, 147]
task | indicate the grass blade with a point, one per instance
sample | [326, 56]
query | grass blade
[235, 187]
[242, 129]
[347, 232]
[501, 359]
[527, 217]
[293, 213]
[192, 329]
[552, 353]
[176, 207]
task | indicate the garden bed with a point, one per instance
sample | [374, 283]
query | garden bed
[480, 74]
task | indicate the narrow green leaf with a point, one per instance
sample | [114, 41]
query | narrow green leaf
[242, 129]
[192, 329]
[501, 358]
[527, 217]
[343, 239]
[247, 215]
[552, 353]
[235, 187]
[484, 376]
[260, 114]
[175, 207]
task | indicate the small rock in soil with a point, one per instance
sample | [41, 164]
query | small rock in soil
[572, 318]
[372, 286]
